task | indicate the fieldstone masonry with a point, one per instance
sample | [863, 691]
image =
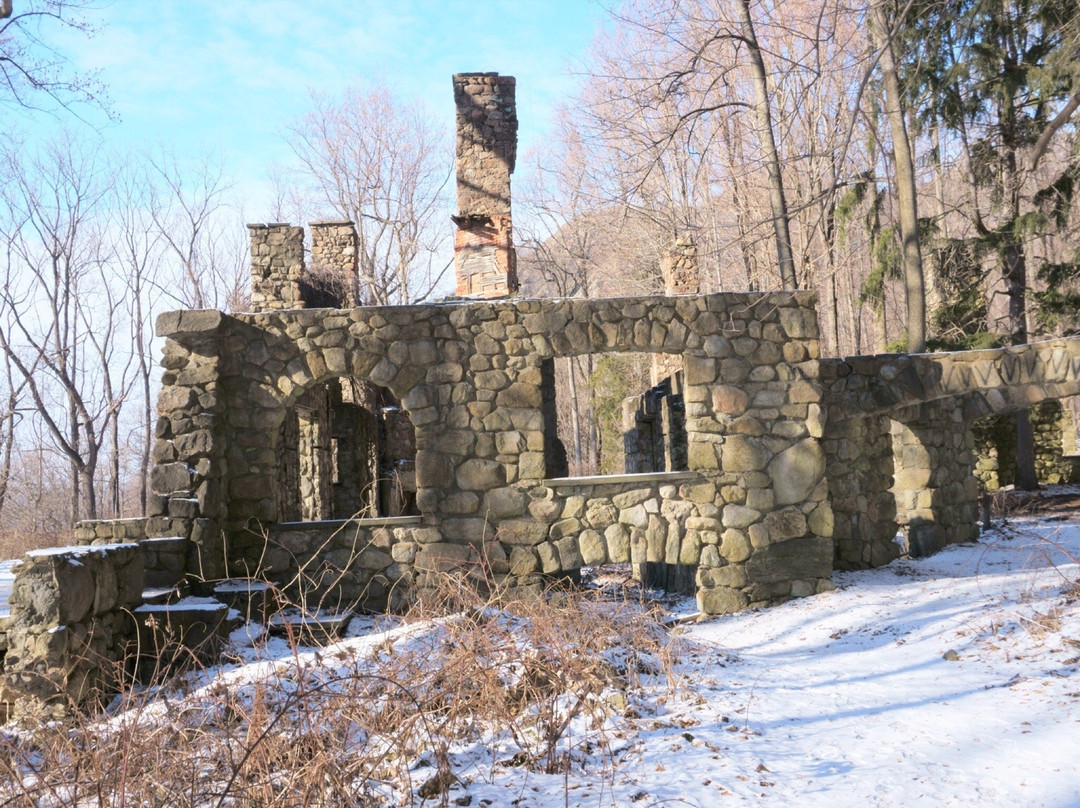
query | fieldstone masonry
[793, 463]
[70, 626]
[484, 259]
[470, 377]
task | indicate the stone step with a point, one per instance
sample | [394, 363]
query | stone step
[254, 600]
[305, 628]
[160, 595]
[176, 633]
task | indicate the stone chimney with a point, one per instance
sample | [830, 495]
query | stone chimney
[334, 261]
[679, 268]
[277, 266]
[484, 260]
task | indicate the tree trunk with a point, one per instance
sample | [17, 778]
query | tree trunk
[763, 120]
[1014, 271]
[575, 418]
[914, 291]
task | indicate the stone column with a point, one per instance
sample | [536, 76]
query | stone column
[188, 478]
[485, 263]
[277, 266]
[680, 268]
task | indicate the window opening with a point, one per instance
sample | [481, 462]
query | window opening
[347, 449]
[614, 413]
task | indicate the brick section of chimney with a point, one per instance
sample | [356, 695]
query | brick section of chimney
[485, 263]
[277, 266]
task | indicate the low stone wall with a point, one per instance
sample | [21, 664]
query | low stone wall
[340, 564]
[679, 520]
[70, 626]
[110, 531]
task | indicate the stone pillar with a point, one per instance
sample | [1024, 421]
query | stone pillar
[485, 263]
[188, 482]
[277, 266]
[334, 264]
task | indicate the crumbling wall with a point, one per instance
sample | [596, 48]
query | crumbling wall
[1052, 428]
[345, 564]
[654, 429]
[70, 626]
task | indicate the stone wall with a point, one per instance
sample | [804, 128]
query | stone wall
[70, 627]
[110, 531]
[654, 429]
[860, 471]
[809, 462]
[340, 565]
[995, 445]
[935, 488]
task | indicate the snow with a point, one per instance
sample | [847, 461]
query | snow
[188, 604]
[947, 681]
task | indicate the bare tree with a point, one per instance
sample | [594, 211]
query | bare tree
[763, 119]
[138, 254]
[31, 68]
[907, 202]
[381, 164]
[47, 296]
[191, 211]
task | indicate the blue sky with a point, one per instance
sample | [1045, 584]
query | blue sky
[226, 76]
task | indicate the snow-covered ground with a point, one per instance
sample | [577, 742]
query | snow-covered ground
[946, 681]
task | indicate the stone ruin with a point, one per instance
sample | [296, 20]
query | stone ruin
[350, 456]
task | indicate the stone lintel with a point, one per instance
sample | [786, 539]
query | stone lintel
[614, 479]
[189, 323]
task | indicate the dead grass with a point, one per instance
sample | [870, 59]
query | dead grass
[548, 684]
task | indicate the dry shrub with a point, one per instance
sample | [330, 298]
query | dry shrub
[15, 543]
[547, 684]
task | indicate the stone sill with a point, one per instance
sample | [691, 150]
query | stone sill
[367, 521]
[615, 479]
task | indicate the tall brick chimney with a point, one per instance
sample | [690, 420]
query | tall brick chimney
[484, 260]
